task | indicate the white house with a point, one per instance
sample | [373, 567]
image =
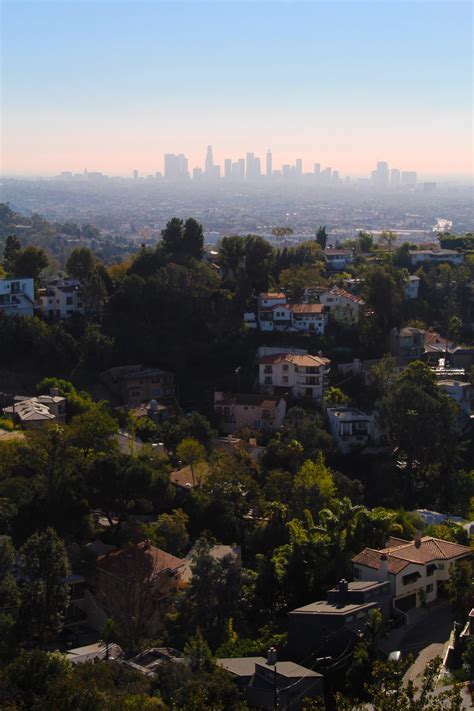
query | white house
[17, 296]
[412, 287]
[32, 412]
[258, 412]
[276, 314]
[338, 259]
[417, 570]
[351, 428]
[436, 256]
[343, 305]
[302, 375]
[61, 298]
[462, 393]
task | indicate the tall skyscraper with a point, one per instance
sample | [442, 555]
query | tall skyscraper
[269, 164]
[286, 170]
[176, 166]
[249, 167]
[135, 174]
[394, 177]
[380, 175]
[257, 168]
[209, 165]
[299, 168]
[227, 168]
[317, 169]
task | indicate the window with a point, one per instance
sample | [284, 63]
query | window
[441, 566]
[16, 287]
[285, 369]
[429, 588]
[4, 299]
[310, 381]
[268, 369]
[268, 380]
[356, 573]
[410, 578]
[69, 301]
[285, 379]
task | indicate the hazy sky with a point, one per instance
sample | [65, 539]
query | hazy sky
[111, 85]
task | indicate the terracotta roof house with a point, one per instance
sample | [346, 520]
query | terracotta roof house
[417, 570]
[342, 305]
[132, 584]
[300, 375]
[258, 412]
[275, 313]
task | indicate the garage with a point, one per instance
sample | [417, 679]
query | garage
[406, 603]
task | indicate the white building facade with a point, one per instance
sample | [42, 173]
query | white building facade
[301, 375]
[61, 299]
[17, 296]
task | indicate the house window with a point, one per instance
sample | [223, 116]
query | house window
[441, 566]
[285, 379]
[268, 380]
[69, 301]
[285, 369]
[268, 369]
[429, 588]
[410, 578]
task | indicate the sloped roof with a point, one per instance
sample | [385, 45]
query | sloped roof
[140, 562]
[342, 293]
[306, 308]
[272, 295]
[401, 553]
[300, 360]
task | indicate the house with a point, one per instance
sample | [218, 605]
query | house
[131, 585]
[187, 478]
[302, 375]
[435, 256]
[335, 623]
[136, 384]
[263, 680]
[343, 306]
[275, 313]
[338, 259]
[417, 570]
[17, 296]
[463, 394]
[412, 287]
[33, 412]
[230, 444]
[407, 342]
[61, 298]
[148, 661]
[153, 410]
[351, 428]
[258, 412]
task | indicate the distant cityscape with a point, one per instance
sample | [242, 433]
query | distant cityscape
[253, 169]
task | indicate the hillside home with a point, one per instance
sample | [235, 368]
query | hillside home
[412, 287]
[407, 342]
[61, 298]
[258, 412]
[335, 622]
[463, 394]
[351, 428]
[417, 570]
[342, 305]
[302, 375]
[263, 680]
[338, 259]
[17, 296]
[136, 384]
[276, 314]
[34, 412]
[436, 256]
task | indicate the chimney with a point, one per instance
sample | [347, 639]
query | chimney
[54, 392]
[343, 587]
[272, 656]
[383, 569]
[417, 539]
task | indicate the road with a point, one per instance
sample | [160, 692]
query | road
[427, 639]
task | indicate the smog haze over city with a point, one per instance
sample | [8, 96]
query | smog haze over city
[247, 114]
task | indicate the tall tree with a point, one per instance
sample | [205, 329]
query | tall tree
[322, 236]
[193, 239]
[80, 263]
[11, 250]
[30, 262]
[191, 452]
[44, 567]
[172, 236]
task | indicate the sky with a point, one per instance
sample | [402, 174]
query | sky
[111, 85]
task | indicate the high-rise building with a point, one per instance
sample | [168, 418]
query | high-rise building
[269, 165]
[209, 164]
[197, 173]
[135, 174]
[326, 174]
[409, 177]
[286, 170]
[380, 175]
[299, 168]
[257, 169]
[317, 169]
[394, 177]
[176, 166]
[228, 168]
[249, 167]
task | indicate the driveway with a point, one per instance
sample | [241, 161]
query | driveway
[427, 639]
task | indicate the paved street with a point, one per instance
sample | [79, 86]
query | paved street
[427, 639]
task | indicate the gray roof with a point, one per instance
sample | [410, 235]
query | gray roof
[321, 607]
[245, 666]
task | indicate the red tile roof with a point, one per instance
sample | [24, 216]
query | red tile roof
[346, 295]
[142, 561]
[401, 553]
[300, 360]
[306, 308]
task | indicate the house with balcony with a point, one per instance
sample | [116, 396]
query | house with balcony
[338, 259]
[416, 570]
[436, 256]
[352, 429]
[275, 313]
[343, 306]
[301, 375]
[17, 296]
[412, 287]
[61, 299]
[407, 343]
[257, 412]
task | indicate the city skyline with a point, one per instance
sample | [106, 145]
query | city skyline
[345, 84]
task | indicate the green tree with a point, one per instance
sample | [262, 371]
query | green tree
[170, 532]
[93, 294]
[191, 452]
[193, 239]
[365, 241]
[44, 567]
[460, 589]
[30, 262]
[313, 487]
[81, 263]
[172, 236]
[322, 236]
[388, 237]
[9, 596]
[11, 250]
